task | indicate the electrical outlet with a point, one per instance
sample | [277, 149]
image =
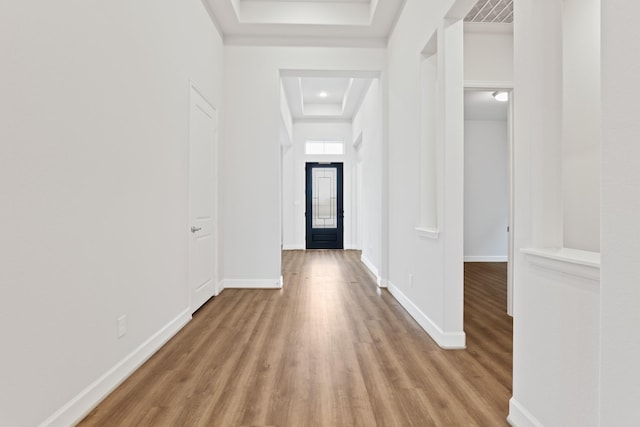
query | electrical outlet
[410, 280]
[122, 326]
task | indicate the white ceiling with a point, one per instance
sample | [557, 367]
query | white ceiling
[306, 22]
[481, 105]
[326, 22]
[329, 23]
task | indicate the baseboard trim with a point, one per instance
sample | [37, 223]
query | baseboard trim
[294, 247]
[303, 247]
[253, 283]
[78, 407]
[446, 340]
[486, 259]
[374, 270]
[219, 288]
[520, 417]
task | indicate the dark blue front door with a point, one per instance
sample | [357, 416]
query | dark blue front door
[325, 214]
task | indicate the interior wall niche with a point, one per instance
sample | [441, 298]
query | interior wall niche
[427, 215]
[581, 126]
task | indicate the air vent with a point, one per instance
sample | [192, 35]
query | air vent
[496, 11]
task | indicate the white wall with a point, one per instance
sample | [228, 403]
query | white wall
[557, 289]
[250, 157]
[425, 274]
[486, 190]
[286, 131]
[368, 129]
[620, 295]
[488, 53]
[93, 184]
[294, 197]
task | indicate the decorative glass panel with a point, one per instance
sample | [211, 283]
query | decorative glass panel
[324, 198]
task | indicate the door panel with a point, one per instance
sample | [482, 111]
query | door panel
[202, 197]
[325, 215]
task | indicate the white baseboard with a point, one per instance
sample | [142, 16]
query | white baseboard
[301, 247]
[486, 259]
[446, 340]
[219, 288]
[520, 417]
[374, 270]
[253, 283]
[78, 407]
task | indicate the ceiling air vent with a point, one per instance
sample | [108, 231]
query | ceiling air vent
[495, 11]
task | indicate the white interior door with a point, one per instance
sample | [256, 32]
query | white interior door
[202, 200]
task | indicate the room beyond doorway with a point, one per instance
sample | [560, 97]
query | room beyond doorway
[488, 174]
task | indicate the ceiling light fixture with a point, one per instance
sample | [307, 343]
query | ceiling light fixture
[501, 96]
[323, 94]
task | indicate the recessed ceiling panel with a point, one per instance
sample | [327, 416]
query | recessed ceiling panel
[305, 22]
[303, 13]
[323, 90]
[314, 1]
[324, 96]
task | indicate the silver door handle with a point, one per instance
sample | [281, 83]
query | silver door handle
[194, 229]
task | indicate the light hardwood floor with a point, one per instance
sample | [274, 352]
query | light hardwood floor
[329, 349]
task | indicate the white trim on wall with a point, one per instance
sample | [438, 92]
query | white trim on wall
[253, 283]
[78, 407]
[574, 262]
[487, 85]
[374, 270]
[446, 340]
[428, 233]
[294, 247]
[489, 258]
[520, 417]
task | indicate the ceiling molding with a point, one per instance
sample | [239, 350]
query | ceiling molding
[346, 91]
[322, 119]
[335, 23]
[214, 19]
[488, 27]
[460, 9]
[288, 41]
[280, 12]
[360, 74]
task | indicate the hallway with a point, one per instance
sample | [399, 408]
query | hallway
[329, 349]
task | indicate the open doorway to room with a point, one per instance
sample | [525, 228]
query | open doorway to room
[488, 175]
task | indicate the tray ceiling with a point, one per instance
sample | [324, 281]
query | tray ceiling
[305, 22]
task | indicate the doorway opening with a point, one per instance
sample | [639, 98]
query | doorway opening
[334, 116]
[488, 187]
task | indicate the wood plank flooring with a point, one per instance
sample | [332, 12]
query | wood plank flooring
[329, 349]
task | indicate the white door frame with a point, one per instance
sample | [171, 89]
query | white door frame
[507, 87]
